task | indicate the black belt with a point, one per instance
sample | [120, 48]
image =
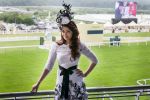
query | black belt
[65, 82]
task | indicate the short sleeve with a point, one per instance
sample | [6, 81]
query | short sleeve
[88, 53]
[51, 57]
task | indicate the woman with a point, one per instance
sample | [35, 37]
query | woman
[69, 84]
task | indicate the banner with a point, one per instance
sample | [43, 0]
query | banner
[124, 9]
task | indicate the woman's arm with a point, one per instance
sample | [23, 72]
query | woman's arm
[90, 68]
[42, 77]
[89, 54]
[48, 67]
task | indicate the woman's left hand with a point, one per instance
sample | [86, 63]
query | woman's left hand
[80, 73]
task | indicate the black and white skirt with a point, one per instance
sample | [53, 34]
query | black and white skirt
[69, 85]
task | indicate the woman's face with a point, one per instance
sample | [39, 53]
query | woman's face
[66, 33]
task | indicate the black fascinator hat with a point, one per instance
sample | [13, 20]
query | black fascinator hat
[64, 16]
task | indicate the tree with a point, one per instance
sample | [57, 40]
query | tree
[14, 17]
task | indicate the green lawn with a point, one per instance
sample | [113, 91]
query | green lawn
[118, 66]
[121, 65]
[19, 43]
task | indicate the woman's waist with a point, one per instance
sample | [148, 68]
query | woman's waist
[71, 73]
[68, 65]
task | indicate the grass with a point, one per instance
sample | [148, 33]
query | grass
[141, 34]
[121, 66]
[19, 43]
[20, 68]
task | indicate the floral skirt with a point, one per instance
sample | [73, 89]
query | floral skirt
[69, 85]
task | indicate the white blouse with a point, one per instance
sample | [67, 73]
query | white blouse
[63, 55]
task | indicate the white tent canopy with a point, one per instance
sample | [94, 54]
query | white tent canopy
[120, 24]
[94, 23]
[132, 24]
[147, 23]
[108, 24]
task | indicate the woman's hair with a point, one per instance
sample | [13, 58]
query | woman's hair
[74, 46]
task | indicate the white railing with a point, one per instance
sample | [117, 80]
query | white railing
[115, 43]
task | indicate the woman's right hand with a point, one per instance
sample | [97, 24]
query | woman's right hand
[35, 88]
